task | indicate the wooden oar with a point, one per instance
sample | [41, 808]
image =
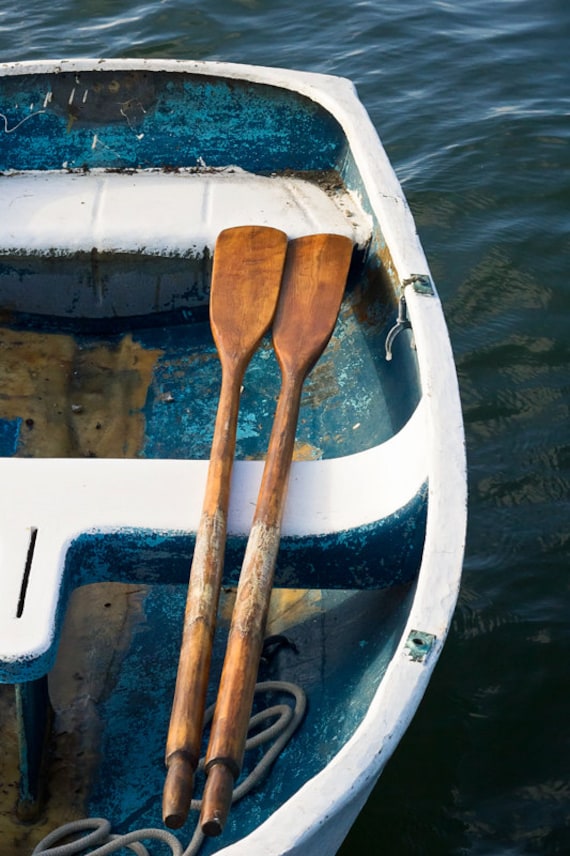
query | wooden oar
[311, 293]
[246, 277]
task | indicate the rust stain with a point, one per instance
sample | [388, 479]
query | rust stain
[306, 452]
[374, 298]
[73, 401]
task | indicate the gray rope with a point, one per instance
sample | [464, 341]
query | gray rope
[105, 843]
[101, 835]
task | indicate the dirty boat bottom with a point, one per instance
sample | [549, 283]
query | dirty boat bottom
[111, 690]
[152, 392]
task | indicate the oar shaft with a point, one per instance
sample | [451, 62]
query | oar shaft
[247, 631]
[273, 489]
[186, 721]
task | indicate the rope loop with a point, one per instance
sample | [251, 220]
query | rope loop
[287, 720]
[105, 843]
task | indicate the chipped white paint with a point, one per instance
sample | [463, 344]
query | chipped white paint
[335, 94]
[150, 212]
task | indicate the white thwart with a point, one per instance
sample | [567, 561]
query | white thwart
[164, 213]
[107, 495]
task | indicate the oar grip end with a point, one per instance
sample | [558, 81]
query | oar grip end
[178, 789]
[217, 799]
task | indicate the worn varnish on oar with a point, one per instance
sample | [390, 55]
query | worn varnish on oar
[310, 298]
[246, 277]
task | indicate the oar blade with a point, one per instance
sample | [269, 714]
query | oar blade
[246, 276]
[311, 293]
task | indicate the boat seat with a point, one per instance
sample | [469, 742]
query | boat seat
[113, 211]
[66, 522]
[73, 241]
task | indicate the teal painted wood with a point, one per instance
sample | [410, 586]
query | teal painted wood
[161, 120]
[339, 659]
[369, 400]
[375, 556]
[9, 436]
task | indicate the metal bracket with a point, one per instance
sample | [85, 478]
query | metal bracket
[402, 323]
[421, 283]
[419, 644]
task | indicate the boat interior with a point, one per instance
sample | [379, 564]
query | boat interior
[106, 353]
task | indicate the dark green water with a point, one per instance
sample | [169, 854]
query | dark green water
[472, 101]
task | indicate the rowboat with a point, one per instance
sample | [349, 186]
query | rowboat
[118, 179]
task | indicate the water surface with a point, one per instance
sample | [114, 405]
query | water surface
[472, 101]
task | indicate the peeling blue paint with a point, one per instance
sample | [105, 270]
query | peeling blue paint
[130, 776]
[374, 557]
[352, 385]
[9, 436]
[122, 120]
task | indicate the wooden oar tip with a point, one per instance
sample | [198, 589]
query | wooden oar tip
[174, 820]
[212, 827]
[217, 799]
[177, 794]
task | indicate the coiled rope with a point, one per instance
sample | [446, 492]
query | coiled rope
[105, 842]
